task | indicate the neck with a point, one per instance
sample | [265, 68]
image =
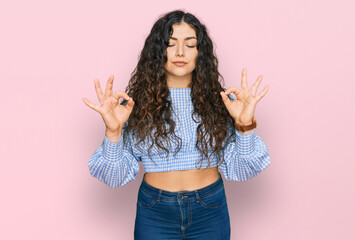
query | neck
[174, 81]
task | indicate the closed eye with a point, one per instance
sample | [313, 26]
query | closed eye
[186, 45]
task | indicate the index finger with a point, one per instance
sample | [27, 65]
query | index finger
[120, 94]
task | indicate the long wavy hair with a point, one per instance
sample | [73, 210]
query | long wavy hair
[148, 88]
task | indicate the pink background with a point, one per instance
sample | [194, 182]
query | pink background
[51, 52]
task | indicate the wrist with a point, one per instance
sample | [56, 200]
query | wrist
[113, 136]
[245, 128]
[243, 132]
[237, 122]
[242, 124]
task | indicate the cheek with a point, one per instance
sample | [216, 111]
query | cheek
[169, 66]
[169, 53]
[193, 60]
[193, 56]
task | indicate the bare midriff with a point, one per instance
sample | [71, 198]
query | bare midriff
[184, 180]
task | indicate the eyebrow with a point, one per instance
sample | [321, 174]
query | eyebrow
[185, 38]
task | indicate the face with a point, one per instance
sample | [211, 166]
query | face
[182, 47]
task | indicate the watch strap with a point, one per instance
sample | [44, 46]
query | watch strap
[244, 128]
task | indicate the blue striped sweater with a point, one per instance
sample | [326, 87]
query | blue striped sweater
[116, 164]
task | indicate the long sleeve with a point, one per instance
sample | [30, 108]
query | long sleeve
[245, 156]
[115, 164]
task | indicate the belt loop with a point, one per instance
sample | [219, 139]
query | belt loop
[197, 196]
[159, 195]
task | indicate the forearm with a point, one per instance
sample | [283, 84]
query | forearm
[114, 137]
[114, 162]
[245, 157]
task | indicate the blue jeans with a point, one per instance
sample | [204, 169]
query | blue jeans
[198, 214]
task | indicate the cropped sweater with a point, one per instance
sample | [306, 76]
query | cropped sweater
[116, 164]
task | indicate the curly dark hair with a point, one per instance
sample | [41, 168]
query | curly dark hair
[148, 88]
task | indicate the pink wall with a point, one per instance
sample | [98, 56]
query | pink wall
[50, 54]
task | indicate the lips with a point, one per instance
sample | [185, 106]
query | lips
[180, 64]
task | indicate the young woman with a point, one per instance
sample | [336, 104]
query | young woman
[179, 121]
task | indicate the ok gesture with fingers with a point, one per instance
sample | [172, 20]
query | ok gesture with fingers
[114, 114]
[242, 109]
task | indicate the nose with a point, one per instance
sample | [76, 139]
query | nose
[179, 51]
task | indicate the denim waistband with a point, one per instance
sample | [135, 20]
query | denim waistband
[185, 196]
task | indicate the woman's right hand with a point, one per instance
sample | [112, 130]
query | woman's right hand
[114, 114]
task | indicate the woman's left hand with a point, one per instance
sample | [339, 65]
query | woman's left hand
[242, 109]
